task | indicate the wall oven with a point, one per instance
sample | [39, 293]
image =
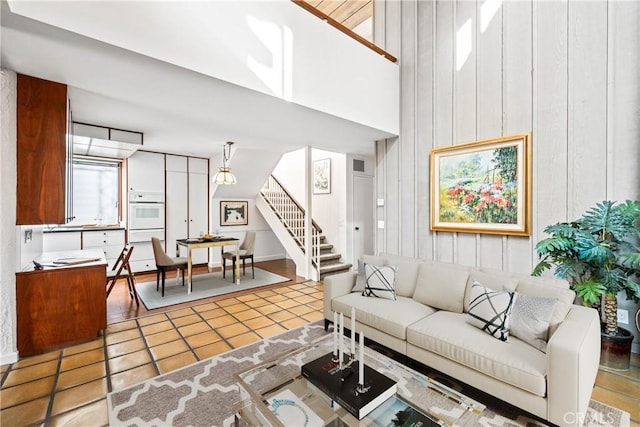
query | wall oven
[146, 211]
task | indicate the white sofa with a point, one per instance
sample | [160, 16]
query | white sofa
[428, 323]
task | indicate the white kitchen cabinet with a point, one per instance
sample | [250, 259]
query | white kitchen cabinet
[187, 202]
[62, 241]
[110, 242]
[142, 258]
[145, 172]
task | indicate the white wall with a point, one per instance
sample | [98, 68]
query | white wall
[569, 72]
[329, 210]
[267, 245]
[274, 47]
[8, 260]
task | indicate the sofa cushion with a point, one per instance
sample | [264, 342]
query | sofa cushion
[406, 273]
[442, 286]
[361, 280]
[530, 318]
[490, 309]
[551, 288]
[449, 335]
[495, 279]
[390, 317]
[380, 281]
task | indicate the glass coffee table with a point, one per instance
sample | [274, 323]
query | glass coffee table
[276, 394]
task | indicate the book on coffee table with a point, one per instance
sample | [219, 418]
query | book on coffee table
[341, 385]
[397, 412]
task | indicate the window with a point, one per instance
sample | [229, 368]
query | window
[96, 191]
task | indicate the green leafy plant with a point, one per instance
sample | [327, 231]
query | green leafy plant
[598, 254]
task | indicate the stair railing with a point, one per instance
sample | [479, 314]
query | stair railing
[292, 215]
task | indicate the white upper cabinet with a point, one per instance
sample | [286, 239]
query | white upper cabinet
[146, 172]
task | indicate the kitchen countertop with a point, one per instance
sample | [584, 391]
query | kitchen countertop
[85, 228]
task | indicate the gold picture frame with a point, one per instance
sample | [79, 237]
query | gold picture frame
[482, 186]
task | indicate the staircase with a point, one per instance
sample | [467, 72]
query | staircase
[279, 205]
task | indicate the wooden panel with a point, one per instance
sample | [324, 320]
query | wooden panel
[41, 151]
[489, 101]
[424, 121]
[464, 114]
[408, 154]
[587, 105]
[58, 307]
[623, 136]
[443, 102]
[518, 93]
[359, 16]
[549, 137]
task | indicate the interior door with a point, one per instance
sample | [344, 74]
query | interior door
[363, 216]
[176, 205]
[198, 212]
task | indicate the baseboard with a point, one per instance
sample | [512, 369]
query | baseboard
[7, 358]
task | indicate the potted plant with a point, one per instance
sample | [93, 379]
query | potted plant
[599, 255]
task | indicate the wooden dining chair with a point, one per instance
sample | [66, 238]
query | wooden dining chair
[166, 263]
[244, 252]
[122, 270]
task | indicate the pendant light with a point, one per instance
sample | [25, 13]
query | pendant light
[224, 175]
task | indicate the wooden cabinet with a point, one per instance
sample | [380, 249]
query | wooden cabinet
[60, 306]
[187, 201]
[42, 145]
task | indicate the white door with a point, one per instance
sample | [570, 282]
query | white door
[363, 216]
[176, 205]
[198, 212]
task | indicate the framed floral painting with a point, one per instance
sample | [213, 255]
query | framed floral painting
[483, 186]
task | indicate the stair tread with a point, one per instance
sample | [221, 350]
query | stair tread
[334, 266]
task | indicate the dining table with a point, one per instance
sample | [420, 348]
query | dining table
[202, 243]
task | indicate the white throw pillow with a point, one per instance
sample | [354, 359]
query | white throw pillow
[361, 279]
[380, 281]
[530, 319]
[489, 310]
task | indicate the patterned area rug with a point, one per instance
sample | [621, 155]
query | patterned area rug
[205, 393]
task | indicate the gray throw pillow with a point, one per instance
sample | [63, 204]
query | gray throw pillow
[489, 310]
[530, 319]
[380, 281]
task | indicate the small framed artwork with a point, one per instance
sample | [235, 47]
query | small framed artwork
[483, 186]
[322, 176]
[234, 213]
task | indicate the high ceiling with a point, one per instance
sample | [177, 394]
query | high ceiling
[349, 13]
[178, 110]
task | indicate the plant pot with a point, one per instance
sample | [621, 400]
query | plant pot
[615, 350]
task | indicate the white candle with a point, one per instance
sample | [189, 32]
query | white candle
[335, 334]
[361, 360]
[353, 332]
[341, 338]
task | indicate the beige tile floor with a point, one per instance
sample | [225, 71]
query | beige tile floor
[69, 386]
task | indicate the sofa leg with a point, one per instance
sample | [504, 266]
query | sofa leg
[326, 324]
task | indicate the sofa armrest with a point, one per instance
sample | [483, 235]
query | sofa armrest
[334, 286]
[573, 356]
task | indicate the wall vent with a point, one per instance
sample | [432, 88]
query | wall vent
[358, 165]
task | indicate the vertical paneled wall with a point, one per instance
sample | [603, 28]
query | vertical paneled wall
[568, 72]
